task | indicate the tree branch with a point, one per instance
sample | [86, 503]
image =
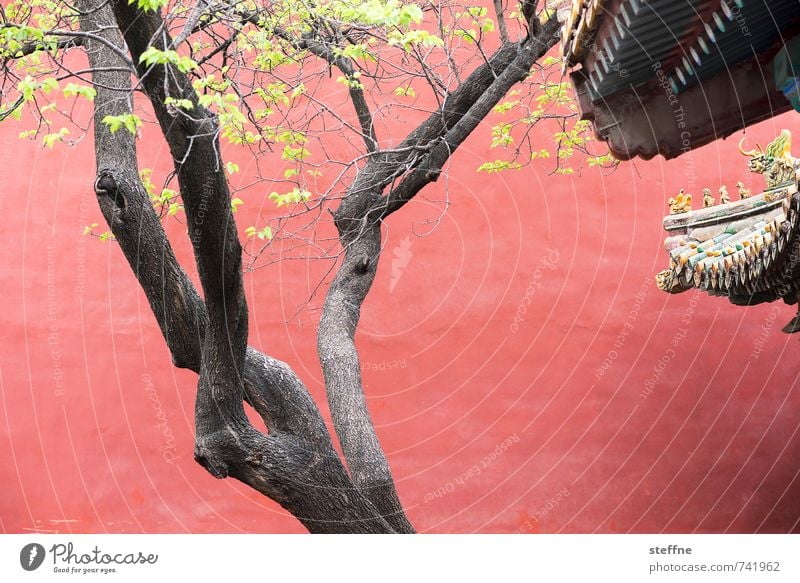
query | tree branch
[342, 371]
[358, 220]
[322, 50]
[431, 165]
[126, 205]
[384, 167]
[191, 22]
[84, 36]
[30, 48]
[499, 10]
[345, 65]
[360, 104]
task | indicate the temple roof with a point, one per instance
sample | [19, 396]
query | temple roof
[735, 249]
[747, 250]
[641, 68]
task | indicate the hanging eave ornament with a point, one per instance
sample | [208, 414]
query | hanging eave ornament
[747, 250]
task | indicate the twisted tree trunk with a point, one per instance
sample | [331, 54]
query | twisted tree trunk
[295, 463]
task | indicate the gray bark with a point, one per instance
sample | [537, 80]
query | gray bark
[359, 222]
[295, 463]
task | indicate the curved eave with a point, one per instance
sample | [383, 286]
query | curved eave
[742, 250]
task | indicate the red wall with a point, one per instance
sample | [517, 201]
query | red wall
[489, 426]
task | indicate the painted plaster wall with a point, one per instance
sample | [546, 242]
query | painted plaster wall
[524, 372]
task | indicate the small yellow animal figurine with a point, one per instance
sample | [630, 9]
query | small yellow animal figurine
[775, 162]
[681, 204]
[708, 199]
[724, 197]
[743, 192]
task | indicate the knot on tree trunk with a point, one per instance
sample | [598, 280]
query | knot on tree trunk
[353, 215]
[218, 452]
[211, 461]
[347, 226]
[362, 263]
[108, 191]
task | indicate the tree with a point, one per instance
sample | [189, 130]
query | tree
[220, 74]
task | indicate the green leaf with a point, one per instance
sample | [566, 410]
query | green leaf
[498, 166]
[185, 104]
[49, 84]
[28, 86]
[265, 233]
[72, 90]
[148, 5]
[540, 154]
[414, 37]
[506, 106]
[130, 121]
[154, 56]
[294, 196]
[50, 140]
[294, 154]
[406, 91]
[350, 81]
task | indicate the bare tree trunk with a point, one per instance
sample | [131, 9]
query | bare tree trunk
[341, 367]
[294, 464]
[358, 220]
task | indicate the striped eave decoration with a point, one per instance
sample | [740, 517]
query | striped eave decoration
[737, 261]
